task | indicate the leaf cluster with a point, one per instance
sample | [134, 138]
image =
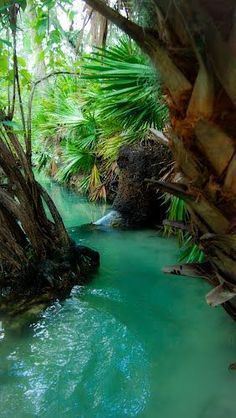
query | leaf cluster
[114, 102]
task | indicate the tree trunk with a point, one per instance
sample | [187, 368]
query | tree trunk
[98, 30]
[193, 48]
[36, 253]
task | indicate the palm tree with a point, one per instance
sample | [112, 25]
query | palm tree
[192, 44]
[115, 101]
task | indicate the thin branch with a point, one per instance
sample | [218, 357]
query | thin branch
[17, 80]
[81, 34]
[132, 29]
[11, 104]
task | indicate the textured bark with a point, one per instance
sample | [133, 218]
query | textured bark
[24, 222]
[193, 47]
[138, 201]
[98, 29]
[35, 252]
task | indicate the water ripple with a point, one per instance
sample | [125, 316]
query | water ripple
[66, 370]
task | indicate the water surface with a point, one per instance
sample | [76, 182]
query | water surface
[134, 343]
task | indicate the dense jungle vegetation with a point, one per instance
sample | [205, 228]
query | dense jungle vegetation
[74, 97]
[117, 143]
[75, 89]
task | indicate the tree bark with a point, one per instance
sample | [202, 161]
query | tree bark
[35, 252]
[197, 64]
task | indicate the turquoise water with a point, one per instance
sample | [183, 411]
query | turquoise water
[134, 343]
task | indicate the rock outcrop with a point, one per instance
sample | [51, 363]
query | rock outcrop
[138, 202]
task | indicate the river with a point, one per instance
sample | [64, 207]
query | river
[133, 343]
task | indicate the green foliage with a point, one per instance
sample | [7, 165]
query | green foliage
[190, 251]
[77, 161]
[176, 212]
[144, 12]
[115, 101]
[128, 89]
[80, 123]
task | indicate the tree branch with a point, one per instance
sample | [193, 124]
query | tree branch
[132, 29]
[150, 44]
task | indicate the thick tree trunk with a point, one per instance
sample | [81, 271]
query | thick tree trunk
[192, 47]
[36, 253]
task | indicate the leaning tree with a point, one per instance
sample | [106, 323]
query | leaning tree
[192, 44]
[36, 251]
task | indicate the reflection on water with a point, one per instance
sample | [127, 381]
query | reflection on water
[134, 343]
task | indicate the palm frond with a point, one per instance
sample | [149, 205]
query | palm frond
[190, 251]
[129, 90]
[114, 102]
[75, 161]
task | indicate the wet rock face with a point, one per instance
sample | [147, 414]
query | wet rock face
[139, 203]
